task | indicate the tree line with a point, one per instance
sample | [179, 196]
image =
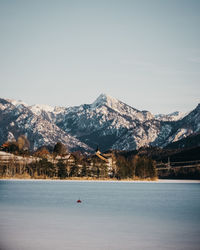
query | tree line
[135, 167]
[57, 163]
[79, 166]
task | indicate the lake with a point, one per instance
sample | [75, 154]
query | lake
[44, 215]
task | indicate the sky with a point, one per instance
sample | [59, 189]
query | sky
[145, 53]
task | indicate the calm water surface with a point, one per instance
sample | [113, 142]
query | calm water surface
[44, 215]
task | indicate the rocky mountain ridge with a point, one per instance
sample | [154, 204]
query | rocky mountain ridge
[19, 119]
[107, 122]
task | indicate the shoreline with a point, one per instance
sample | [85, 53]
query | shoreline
[104, 180]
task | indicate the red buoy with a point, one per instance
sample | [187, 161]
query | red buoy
[79, 201]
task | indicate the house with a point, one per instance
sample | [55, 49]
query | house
[109, 160]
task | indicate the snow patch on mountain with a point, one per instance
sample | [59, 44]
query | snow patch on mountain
[180, 134]
[17, 103]
[39, 108]
[104, 99]
[162, 136]
[175, 116]
[123, 109]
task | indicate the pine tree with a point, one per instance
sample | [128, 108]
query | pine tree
[62, 171]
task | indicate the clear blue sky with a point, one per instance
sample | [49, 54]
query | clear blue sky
[65, 53]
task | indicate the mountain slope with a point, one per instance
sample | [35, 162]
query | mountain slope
[107, 122]
[190, 141]
[190, 124]
[19, 119]
[175, 116]
[110, 123]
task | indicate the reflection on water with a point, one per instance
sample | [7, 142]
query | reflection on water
[115, 216]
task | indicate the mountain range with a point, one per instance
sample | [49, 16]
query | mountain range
[107, 123]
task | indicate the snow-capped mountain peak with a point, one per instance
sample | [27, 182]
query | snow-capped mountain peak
[105, 103]
[107, 100]
[17, 103]
[38, 108]
[175, 116]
